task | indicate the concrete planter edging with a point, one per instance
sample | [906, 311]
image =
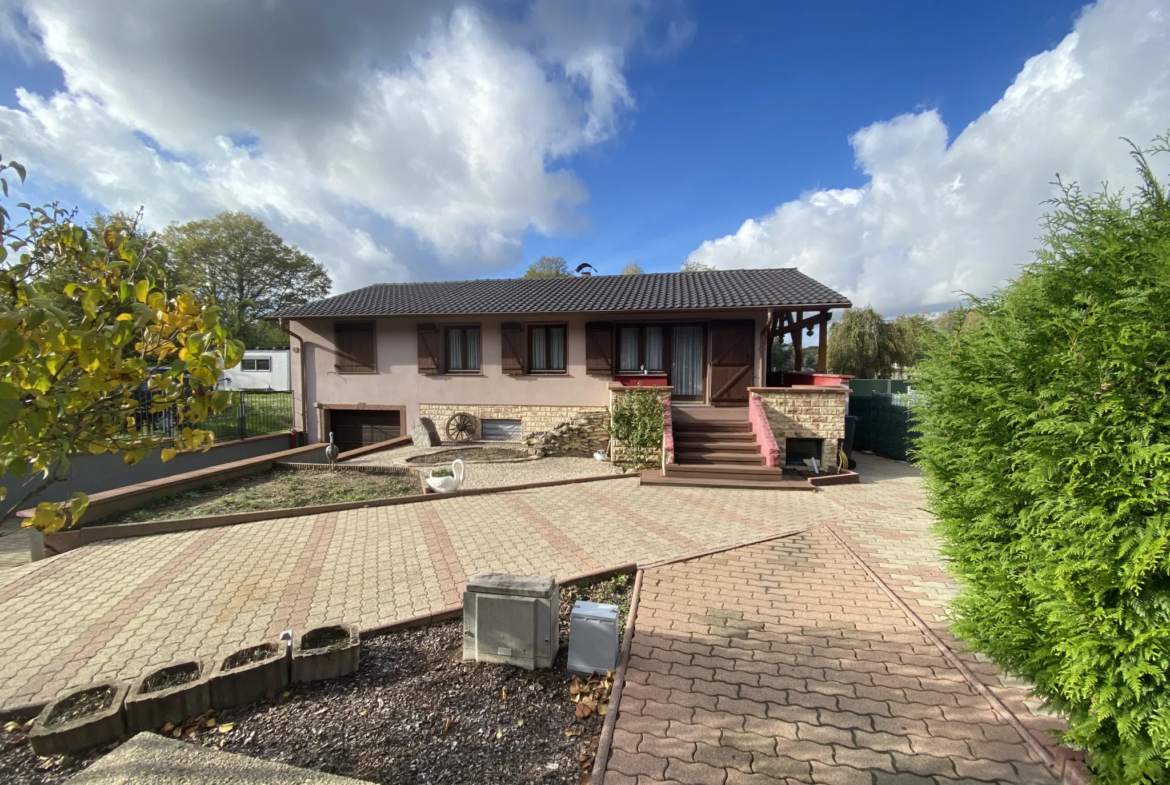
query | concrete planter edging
[329, 663]
[91, 730]
[846, 477]
[152, 710]
[255, 681]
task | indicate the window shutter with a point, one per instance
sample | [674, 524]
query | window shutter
[428, 349]
[356, 347]
[599, 348]
[512, 348]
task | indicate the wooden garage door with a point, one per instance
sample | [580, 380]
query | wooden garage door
[732, 355]
[358, 428]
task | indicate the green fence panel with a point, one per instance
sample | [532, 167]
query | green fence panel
[885, 426]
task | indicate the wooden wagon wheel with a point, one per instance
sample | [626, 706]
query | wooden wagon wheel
[461, 427]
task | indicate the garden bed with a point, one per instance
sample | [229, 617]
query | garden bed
[471, 455]
[271, 490]
[414, 712]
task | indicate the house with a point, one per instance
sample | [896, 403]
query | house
[260, 369]
[522, 356]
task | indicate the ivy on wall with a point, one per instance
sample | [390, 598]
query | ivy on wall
[635, 424]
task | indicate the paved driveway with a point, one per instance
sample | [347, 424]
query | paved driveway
[113, 609]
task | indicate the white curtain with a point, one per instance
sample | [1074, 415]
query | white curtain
[628, 359]
[473, 348]
[455, 349]
[653, 360]
[539, 349]
[556, 338]
[687, 360]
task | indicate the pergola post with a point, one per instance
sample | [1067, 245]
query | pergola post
[823, 349]
[798, 342]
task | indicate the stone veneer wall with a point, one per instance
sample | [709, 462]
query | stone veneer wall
[533, 419]
[805, 413]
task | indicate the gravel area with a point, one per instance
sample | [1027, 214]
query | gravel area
[413, 713]
[493, 475]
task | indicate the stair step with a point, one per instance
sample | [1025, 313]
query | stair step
[737, 469]
[717, 446]
[719, 457]
[654, 478]
[721, 436]
[714, 427]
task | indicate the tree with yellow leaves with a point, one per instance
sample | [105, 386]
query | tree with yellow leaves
[68, 385]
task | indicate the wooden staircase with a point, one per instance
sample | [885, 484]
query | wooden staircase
[719, 451]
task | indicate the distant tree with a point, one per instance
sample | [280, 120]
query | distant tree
[863, 344]
[911, 334]
[692, 266]
[548, 267]
[245, 267]
[71, 378]
[633, 268]
[961, 317]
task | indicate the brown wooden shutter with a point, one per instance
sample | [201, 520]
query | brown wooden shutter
[512, 348]
[356, 348]
[599, 348]
[428, 349]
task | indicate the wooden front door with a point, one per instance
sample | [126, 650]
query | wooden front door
[732, 357]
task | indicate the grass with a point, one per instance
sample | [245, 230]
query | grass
[264, 413]
[270, 490]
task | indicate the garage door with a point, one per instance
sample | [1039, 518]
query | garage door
[353, 429]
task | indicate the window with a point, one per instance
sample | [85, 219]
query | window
[640, 348]
[355, 347]
[546, 347]
[256, 364]
[462, 349]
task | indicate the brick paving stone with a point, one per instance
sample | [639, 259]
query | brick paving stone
[809, 720]
[107, 611]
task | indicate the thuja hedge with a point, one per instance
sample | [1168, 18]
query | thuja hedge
[1046, 455]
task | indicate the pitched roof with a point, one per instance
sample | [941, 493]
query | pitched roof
[594, 294]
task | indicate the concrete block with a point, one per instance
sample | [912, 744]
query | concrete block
[253, 681]
[149, 708]
[338, 656]
[50, 736]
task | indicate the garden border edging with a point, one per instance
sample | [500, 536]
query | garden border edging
[64, 541]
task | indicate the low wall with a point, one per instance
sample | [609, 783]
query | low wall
[93, 474]
[806, 412]
[533, 419]
[762, 429]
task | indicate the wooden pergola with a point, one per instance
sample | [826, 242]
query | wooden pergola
[794, 324]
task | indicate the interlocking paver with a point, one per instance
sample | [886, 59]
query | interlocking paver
[845, 689]
[113, 609]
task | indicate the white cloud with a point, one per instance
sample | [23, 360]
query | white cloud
[935, 219]
[382, 137]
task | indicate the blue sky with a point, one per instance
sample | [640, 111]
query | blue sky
[759, 107]
[900, 153]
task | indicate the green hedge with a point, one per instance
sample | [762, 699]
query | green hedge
[1047, 459]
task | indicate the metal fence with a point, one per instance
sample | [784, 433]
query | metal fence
[249, 414]
[886, 425]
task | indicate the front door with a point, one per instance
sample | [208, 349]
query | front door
[686, 362]
[732, 357]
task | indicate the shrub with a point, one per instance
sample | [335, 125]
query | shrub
[1046, 456]
[636, 425]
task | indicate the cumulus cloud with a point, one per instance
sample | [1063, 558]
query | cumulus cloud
[382, 137]
[937, 219]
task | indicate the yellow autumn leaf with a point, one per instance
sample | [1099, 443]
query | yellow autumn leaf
[227, 727]
[168, 453]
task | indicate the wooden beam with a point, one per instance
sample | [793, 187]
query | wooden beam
[797, 340]
[790, 324]
[823, 349]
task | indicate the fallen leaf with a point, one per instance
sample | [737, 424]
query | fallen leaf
[603, 709]
[571, 732]
[209, 724]
[227, 727]
[12, 727]
[503, 693]
[285, 694]
[500, 733]
[447, 724]
[519, 722]
[170, 726]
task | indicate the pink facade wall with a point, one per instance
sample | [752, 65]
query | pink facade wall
[762, 429]
[399, 383]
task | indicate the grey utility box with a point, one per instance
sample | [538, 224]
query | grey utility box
[511, 619]
[593, 637]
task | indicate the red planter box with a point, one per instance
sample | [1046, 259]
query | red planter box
[635, 379]
[792, 379]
